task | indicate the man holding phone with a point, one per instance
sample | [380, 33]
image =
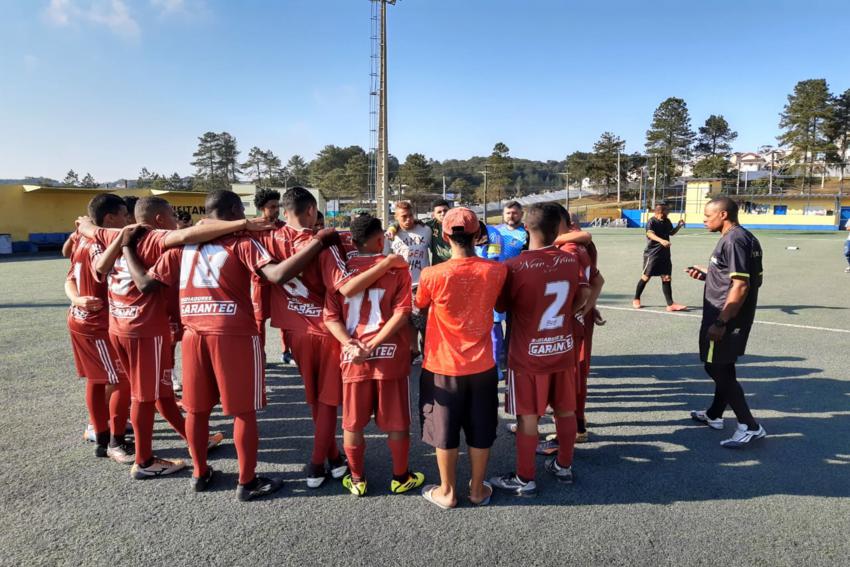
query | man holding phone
[732, 281]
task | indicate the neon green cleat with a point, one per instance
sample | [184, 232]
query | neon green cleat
[356, 488]
[414, 480]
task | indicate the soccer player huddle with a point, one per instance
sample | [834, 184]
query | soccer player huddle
[344, 310]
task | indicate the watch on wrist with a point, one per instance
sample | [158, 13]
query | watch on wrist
[720, 323]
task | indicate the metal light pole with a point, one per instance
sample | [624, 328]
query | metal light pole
[618, 176]
[566, 175]
[770, 180]
[484, 173]
[383, 175]
[654, 181]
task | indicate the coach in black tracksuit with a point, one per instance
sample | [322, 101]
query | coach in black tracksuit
[656, 257]
[732, 282]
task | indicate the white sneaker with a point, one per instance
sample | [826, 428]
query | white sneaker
[703, 418]
[743, 436]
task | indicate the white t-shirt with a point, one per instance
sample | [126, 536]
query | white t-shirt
[413, 245]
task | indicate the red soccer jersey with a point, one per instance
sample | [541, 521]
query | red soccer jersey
[365, 313]
[82, 273]
[133, 313]
[584, 259]
[539, 294]
[297, 305]
[214, 282]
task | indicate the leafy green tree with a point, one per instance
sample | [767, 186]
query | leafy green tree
[71, 179]
[227, 156]
[328, 159]
[499, 172]
[838, 129]
[297, 169]
[463, 189]
[175, 182]
[209, 170]
[715, 137]
[357, 177]
[603, 163]
[145, 178]
[578, 166]
[415, 173]
[712, 166]
[271, 166]
[804, 121]
[253, 165]
[670, 136]
[88, 181]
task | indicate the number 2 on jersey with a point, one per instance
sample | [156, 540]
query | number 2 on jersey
[552, 317]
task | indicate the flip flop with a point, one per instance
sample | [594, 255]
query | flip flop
[486, 501]
[426, 494]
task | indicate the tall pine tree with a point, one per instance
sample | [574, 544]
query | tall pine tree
[670, 136]
[804, 121]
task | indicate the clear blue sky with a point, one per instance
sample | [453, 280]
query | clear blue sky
[109, 86]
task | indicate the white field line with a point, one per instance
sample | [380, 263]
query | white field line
[694, 316]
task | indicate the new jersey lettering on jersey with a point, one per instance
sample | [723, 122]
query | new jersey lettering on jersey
[366, 313]
[131, 312]
[539, 294]
[297, 305]
[90, 323]
[214, 282]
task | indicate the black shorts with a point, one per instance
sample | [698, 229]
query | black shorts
[449, 404]
[726, 351]
[657, 263]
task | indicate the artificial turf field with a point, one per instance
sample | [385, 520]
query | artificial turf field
[653, 487]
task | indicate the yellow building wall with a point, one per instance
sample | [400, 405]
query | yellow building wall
[55, 210]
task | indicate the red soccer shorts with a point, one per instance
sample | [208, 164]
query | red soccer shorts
[222, 368]
[96, 360]
[529, 394]
[387, 400]
[317, 357]
[148, 362]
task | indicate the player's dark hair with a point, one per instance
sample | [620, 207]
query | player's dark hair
[297, 200]
[564, 213]
[222, 204]
[263, 196]
[363, 228]
[319, 216]
[131, 201]
[462, 238]
[513, 205]
[148, 207]
[105, 204]
[728, 205]
[543, 218]
[662, 204]
[440, 203]
[183, 216]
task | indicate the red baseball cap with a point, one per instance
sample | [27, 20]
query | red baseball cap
[459, 220]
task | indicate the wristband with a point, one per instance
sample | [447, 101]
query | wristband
[720, 323]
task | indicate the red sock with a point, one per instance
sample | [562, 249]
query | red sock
[400, 449]
[97, 406]
[324, 437]
[167, 408]
[566, 428]
[526, 448]
[246, 437]
[198, 432]
[119, 408]
[142, 414]
[356, 457]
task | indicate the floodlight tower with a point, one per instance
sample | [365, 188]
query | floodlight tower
[379, 169]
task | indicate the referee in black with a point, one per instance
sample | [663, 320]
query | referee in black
[732, 281]
[656, 257]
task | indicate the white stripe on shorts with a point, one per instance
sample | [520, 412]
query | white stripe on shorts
[111, 375]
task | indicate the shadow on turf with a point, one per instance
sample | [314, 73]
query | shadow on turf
[636, 459]
[31, 305]
[793, 309]
[639, 460]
